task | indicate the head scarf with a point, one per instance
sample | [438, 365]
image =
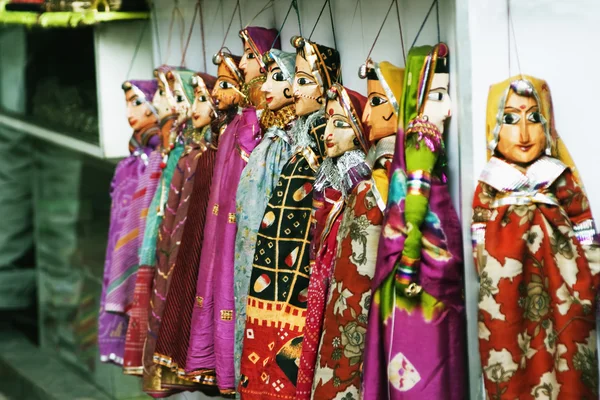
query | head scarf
[539, 89]
[226, 62]
[353, 104]
[144, 89]
[421, 64]
[205, 83]
[260, 40]
[324, 61]
[391, 79]
[184, 78]
[286, 61]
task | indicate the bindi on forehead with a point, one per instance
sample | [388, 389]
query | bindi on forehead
[330, 111]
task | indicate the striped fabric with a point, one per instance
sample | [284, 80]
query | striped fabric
[169, 235]
[173, 341]
[122, 275]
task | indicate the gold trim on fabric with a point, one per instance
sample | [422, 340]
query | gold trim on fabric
[278, 314]
[280, 118]
[311, 158]
[200, 301]
[138, 371]
[215, 209]
[231, 218]
[226, 315]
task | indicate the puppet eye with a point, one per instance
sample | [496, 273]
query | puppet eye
[338, 123]
[510, 118]
[535, 117]
[377, 101]
[435, 96]
[278, 76]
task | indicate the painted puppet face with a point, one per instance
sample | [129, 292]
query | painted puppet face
[163, 99]
[276, 88]
[226, 91]
[379, 113]
[139, 113]
[339, 135]
[438, 104]
[202, 111]
[308, 94]
[182, 104]
[521, 139]
[249, 64]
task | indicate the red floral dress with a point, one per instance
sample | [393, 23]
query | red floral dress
[327, 219]
[538, 258]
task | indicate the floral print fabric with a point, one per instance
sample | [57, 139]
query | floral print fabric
[537, 304]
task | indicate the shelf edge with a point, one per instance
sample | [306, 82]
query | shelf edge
[51, 136]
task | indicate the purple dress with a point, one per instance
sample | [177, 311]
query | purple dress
[235, 146]
[415, 348]
[112, 326]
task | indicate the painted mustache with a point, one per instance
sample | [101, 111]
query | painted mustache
[286, 93]
[389, 117]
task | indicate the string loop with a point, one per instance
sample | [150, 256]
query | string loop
[174, 14]
[293, 5]
[425, 21]
[327, 2]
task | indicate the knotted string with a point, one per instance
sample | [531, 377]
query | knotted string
[327, 2]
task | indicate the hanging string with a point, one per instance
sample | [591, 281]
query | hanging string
[294, 5]
[437, 17]
[155, 24]
[362, 28]
[176, 11]
[511, 28]
[137, 49]
[381, 28]
[327, 2]
[268, 5]
[202, 33]
[237, 6]
[189, 37]
[401, 34]
[424, 22]
[332, 25]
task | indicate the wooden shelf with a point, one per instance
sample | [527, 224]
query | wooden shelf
[67, 19]
[51, 136]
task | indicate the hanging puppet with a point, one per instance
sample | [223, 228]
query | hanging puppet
[163, 214]
[211, 339]
[342, 343]
[121, 295]
[415, 339]
[279, 234]
[143, 119]
[347, 143]
[537, 254]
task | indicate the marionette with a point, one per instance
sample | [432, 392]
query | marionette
[279, 234]
[210, 348]
[342, 343]
[415, 339]
[537, 254]
[168, 209]
[347, 143]
[121, 289]
[143, 119]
